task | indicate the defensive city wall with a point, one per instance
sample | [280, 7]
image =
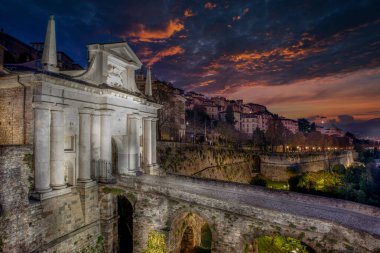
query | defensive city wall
[235, 213]
[240, 165]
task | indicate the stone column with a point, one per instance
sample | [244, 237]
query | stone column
[105, 145]
[154, 141]
[84, 145]
[95, 142]
[41, 148]
[105, 140]
[57, 170]
[148, 142]
[133, 144]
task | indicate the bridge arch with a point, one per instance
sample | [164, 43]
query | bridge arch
[189, 230]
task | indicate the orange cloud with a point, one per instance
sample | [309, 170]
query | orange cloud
[205, 83]
[156, 35]
[189, 13]
[210, 5]
[165, 53]
[249, 60]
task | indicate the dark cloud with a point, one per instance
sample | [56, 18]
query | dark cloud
[221, 46]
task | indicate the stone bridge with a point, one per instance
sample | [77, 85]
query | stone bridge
[237, 215]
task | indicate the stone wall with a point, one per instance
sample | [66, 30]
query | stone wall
[280, 167]
[236, 226]
[241, 165]
[67, 223]
[16, 115]
[206, 161]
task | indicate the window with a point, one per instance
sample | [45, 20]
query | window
[69, 145]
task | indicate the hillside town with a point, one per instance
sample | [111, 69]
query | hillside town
[185, 116]
[104, 156]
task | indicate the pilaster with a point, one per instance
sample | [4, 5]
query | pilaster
[57, 154]
[84, 146]
[42, 147]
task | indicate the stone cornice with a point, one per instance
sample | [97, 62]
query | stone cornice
[67, 81]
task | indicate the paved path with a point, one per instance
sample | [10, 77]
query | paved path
[274, 200]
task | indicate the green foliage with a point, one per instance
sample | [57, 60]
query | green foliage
[114, 191]
[353, 183]
[281, 244]
[258, 181]
[156, 243]
[305, 126]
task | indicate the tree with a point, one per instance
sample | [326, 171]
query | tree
[305, 126]
[275, 133]
[230, 118]
[258, 138]
[155, 243]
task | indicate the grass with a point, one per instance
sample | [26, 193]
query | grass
[280, 185]
[281, 244]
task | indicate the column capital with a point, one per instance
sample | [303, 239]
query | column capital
[154, 119]
[42, 105]
[85, 110]
[105, 112]
[134, 116]
[57, 107]
[147, 118]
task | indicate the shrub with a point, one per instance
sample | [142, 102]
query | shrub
[258, 181]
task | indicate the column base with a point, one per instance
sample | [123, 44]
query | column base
[58, 187]
[132, 173]
[86, 184]
[45, 190]
[154, 170]
[50, 194]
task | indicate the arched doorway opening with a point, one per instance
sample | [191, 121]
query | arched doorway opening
[125, 224]
[190, 233]
[277, 244]
[187, 243]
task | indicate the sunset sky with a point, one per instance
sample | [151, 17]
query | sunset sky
[299, 58]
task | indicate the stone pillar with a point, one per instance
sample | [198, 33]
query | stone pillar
[133, 144]
[95, 142]
[41, 148]
[148, 142]
[57, 170]
[154, 141]
[105, 146]
[105, 140]
[84, 145]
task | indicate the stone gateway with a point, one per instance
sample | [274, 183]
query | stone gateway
[78, 173]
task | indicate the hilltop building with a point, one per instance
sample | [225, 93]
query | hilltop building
[171, 118]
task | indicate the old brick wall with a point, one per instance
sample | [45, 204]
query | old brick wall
[16, 115]
[66, 223]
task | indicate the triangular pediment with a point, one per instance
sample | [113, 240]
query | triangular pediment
[123, 51]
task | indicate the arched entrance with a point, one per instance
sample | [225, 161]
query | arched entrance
[125, 224]
[187, 243]
[190, 233]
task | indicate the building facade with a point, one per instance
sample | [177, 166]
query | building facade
[78, 121]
